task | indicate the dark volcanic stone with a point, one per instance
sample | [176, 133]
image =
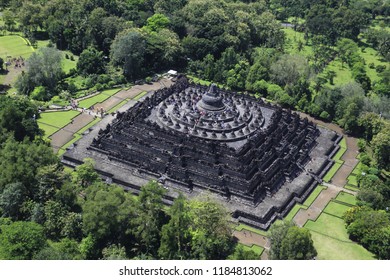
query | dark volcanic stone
[204, 143]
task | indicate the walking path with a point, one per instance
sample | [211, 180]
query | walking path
[66, 134]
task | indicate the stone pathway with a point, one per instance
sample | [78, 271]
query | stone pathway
[64, 135]
[350, 161]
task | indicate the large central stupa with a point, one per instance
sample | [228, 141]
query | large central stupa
[255, 157]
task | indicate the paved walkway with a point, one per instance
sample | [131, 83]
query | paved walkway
[66, 134]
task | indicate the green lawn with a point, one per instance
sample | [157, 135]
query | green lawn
[48, 129]
[346, 198]
[58, 119]
[254, 230]
[111, 92]
[140, 95]
[343, 73]
[329, 225]
[357, 169]
[68, 64]
[14, 46]
[336, 209]
[371, 56]
[352, 180]
[329, 248]
[257, 249]
[116, 107]
[99, 98]
[332, 171]
[291, 45]
[343, 143]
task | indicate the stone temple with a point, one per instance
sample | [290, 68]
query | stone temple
[256, 158]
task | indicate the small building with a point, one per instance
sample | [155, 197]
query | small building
[172, 73]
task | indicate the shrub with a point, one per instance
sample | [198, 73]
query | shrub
[380, 68]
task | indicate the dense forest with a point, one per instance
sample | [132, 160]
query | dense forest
[283, 51]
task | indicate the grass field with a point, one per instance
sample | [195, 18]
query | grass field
[330, 226]
[68, 64]
[14, 46]
[257, 249]
[346, 198]
[48, 129]
[99, 98]
[336, 209]
[291, 45]
[116, 107]
[58, 119]
[140, 95]
[332, 171]
[331, 249]
[254, 230]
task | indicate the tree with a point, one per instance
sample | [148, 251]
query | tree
[18, 116]
[289, 242]
[242, 254]
[19, 162]
[211, 231]
[277, 233]
[371, 124]
[85, 174]
[21, 240]
[54, 219]
[43, 68]
[346, 49]
[11, 200]
[65, 249]
[289, 69]
[9, 20]
[127, 51]
[106, 213]
[114, 252]
[50, 179]
[1, 64]
[91, 61]
[157, 22]
[297, 245]
[150, 217]
[176, 235]
[381, 145]
[366, 223]
[370, 198]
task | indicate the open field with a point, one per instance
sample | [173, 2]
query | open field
[99, 98]
[336, 209]
[329, 248]
[257, 249]
[330, 226]
[58, 119]
[346, 198]
[14, 46]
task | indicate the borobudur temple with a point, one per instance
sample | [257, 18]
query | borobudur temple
[255, 157]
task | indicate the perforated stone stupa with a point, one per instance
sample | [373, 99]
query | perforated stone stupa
[255, 157]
